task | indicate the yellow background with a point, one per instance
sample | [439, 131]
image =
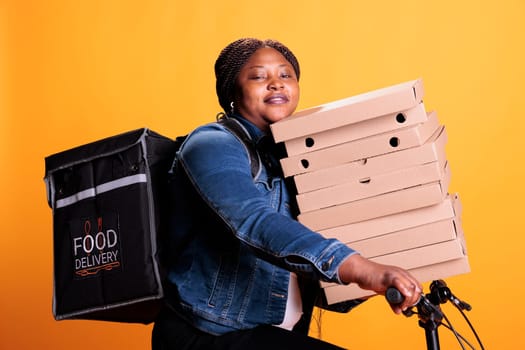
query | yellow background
[73, 71]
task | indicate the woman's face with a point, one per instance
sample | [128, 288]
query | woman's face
[268, 90]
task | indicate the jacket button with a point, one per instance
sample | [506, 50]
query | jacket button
[326, 265]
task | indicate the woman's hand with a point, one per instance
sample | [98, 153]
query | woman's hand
[378, 277]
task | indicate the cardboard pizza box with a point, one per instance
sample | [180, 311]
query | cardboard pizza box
[371, 186]
[350, 110]
[350, 132]
[425, 255]
[419, 236]
[377, 206]
[432, 151]
[449, 208]
[361, 149]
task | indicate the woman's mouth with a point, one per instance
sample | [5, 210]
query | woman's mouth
[276, 99]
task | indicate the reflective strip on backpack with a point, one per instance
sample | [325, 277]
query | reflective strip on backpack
[105, 187]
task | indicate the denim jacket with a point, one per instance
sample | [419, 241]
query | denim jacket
[234, 239]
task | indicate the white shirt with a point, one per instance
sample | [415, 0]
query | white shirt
[294, 304]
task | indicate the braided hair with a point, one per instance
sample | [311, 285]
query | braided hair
[234, 56]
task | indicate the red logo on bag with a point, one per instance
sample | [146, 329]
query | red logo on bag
[96, 250]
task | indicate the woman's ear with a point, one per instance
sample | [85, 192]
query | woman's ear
[236, 100]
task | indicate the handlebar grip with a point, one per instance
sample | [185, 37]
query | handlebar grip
[393, 296]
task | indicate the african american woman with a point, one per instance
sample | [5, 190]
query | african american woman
[244, 274]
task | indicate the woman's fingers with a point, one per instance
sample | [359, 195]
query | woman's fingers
[378, 277]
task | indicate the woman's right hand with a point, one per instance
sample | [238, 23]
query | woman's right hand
[378, 277]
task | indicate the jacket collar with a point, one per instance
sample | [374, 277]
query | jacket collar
[255, 133]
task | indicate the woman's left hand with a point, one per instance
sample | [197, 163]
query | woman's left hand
[378, 277]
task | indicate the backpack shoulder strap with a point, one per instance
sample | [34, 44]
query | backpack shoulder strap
[235, 127]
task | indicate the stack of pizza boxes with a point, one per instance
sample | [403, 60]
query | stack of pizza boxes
[371, 171]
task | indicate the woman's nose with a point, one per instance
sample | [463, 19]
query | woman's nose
[275, 84]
